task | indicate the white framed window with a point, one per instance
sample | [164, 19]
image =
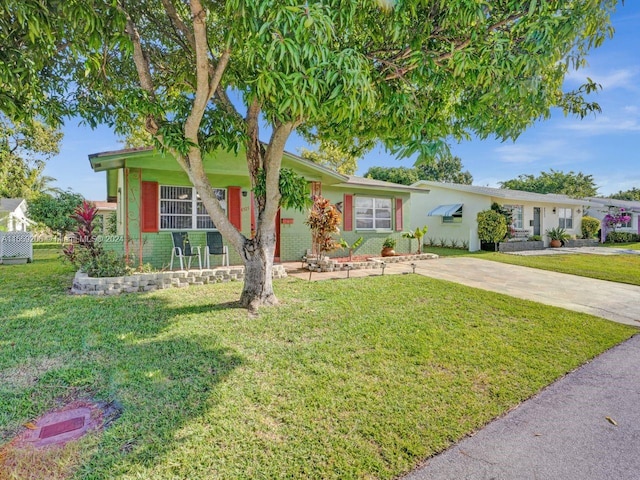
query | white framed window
[373, 213]
[565, 218]
[517, 215]
[182, 209]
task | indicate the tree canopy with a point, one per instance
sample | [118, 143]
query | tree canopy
[577, 185]
[631, 194]
[55, 212]
[333, 157]
[402, 175]
[447, 169]
[409, 74]
[24, 149]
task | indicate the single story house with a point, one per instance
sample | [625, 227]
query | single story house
[13, 215]
[450, 211]
[599, 207]
[154, 198]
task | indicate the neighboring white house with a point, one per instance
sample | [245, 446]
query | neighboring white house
[105, 209]
[13, 215]
[599, 207]
[450, 211]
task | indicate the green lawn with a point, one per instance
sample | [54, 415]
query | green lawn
[615, 268]
[359, 378]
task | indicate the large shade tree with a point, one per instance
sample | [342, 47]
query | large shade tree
[576, 185]
[206, 74]
[24, 149]
[447, 169]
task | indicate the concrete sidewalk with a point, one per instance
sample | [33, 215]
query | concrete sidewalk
[566, 432]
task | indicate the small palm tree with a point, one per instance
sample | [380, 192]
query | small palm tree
[418, 234]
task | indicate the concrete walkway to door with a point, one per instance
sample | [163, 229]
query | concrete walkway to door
[614, 301]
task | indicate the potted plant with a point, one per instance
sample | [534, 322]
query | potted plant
[388, 247]
[557, 236]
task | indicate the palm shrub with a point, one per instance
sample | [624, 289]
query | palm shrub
[352, 247]
[418, 234]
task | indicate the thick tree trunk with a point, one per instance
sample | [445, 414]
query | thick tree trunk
[258, 278]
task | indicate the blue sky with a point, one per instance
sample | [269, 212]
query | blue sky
[606, 146]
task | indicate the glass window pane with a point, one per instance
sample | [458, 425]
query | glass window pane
[383, 203]
[366, 202]
[364, 223]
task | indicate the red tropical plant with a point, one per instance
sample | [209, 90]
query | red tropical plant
[324, 220]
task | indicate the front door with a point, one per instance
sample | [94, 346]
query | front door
[536, 221]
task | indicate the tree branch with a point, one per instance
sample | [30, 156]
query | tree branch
[206, 86]
[178, 24]
[400, 71]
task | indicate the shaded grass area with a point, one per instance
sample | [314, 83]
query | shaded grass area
[346, 379]
[615, 268]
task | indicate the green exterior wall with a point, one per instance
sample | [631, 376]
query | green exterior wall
[226, 171]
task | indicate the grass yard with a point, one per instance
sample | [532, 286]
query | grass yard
[359, 378]
[615, 268]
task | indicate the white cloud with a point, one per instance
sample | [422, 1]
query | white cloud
[611, 183]
[625, 78]
[487, 182]
[552, 152]
[603, 125]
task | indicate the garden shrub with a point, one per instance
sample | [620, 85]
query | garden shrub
[86, 253]
[492, 226]
[590, 227]
[622, 237]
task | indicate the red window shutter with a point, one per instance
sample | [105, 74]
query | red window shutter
[234, 206]
[347, 213]
[150, 203]
[399, 214]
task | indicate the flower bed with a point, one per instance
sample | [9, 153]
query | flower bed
[146, 282]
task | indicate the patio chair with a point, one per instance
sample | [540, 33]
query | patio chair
[215, 246]
[183, 250]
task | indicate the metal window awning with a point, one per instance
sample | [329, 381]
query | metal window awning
[445, 210]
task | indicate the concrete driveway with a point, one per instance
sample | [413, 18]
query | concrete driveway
[614, 301]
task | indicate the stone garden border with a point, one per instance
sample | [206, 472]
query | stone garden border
[329, 265]
[147, 282]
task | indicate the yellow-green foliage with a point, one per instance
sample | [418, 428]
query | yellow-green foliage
[590, 227]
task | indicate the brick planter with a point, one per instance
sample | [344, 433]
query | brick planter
[329, 265]
[146, 282]
[581, 242]
[520, 246]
